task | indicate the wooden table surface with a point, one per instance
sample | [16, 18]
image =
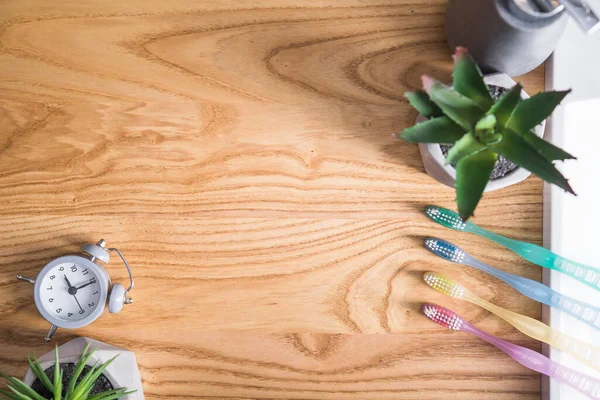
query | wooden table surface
[240, 155]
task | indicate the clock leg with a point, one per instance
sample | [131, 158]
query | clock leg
[23, 278]
[50, 333]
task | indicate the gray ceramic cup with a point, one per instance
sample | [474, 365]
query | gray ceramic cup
[503, 36]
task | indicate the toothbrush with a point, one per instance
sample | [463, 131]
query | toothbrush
[529, 326]
[530, 288]
[538, 255]
[526, 357]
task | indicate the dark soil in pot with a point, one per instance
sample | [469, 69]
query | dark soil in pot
[102, 383]
[503, 166]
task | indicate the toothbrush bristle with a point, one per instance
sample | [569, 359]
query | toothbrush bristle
[444, 285]
[445, 217]
[445, 250]
[442, 316]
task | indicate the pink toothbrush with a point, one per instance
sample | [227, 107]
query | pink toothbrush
[529, 358]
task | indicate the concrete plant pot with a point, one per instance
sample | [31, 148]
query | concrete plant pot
[123, 372]
[434, 160]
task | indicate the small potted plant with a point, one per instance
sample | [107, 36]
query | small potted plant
[104, 373]
[477, 130]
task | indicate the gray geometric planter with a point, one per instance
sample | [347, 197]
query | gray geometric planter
[434, 160]
[123, 372]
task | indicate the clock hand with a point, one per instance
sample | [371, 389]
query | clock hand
[68, 283]
[92, 281]
[73, 292]
[75, 297]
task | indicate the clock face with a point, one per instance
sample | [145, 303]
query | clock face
[71, 291]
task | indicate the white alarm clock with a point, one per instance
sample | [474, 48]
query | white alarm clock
[72, 291]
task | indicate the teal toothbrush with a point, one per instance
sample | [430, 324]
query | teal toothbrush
[535, 254]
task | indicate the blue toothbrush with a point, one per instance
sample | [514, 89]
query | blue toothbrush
[532, 289]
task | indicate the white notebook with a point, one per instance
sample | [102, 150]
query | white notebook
[572, 224]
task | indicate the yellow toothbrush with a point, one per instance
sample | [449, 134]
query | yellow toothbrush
[529, 326]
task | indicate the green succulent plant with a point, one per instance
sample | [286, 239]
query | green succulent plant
[480, 129]
[81, 390]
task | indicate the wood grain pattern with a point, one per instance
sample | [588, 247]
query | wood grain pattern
[240, 155]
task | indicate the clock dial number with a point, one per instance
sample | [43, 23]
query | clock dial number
[58, 310]
[73, 268]
[85, 272]
[52, 277]
[51, 300]
[61, 269]
[69, 314]
[91, 304]
[82, 312]
[49, 288]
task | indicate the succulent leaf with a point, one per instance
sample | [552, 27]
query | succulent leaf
[10, 396]
[58, 387]
[468, 81]
[84, 387]
[467, 146]
[456, 106]
[57, 376]
[505, 106]
[83, 360]
[484, 129]
[18, 395]
[85, 382]
[111, 394]
[38, 371]
[20, 388]
[421, 102]
[472, 175]
[514, 147]
[545, 148]
[531, 112]
[436, 130]
[486, 123]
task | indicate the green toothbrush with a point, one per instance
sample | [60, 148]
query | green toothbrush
[536, 254]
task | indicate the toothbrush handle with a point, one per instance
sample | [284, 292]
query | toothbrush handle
[539, 363]
[581, 382]
[530, 288]
[584, 312]
[538, 330]
[581, 350]
[587, 275]
[494, 237]
[537, 291]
